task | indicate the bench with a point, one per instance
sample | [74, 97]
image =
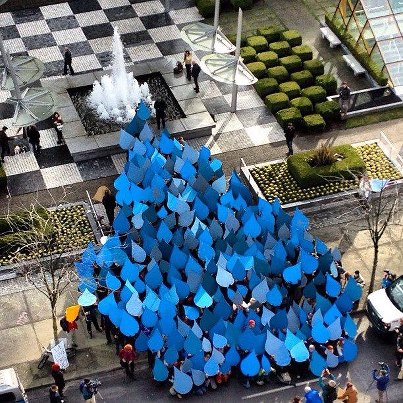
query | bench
[353, 63]
[330, 36]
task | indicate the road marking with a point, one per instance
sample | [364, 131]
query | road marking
[268, 392]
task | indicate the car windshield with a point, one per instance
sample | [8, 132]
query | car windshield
[395, 293]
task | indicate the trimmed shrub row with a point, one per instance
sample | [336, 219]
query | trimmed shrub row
[207, 7]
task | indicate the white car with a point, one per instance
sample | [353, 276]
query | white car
[385, 307]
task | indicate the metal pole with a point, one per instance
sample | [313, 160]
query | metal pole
[167, 5]
[216, 14]
[9, 66]
[237, 54]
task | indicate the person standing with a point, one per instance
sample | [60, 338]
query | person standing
[349, 394]
[127, 357]
[311, 395]
[90, 315]
[58, 125]
[399, 356]
[344, 98]
[54, 396]
[382, 380]
[109, 202]
[195, 74]
[4, 139]
[88, 391]
[58, 377]
[160, 106]
[289, 133]
[34, 138]
[329, 393]
[67, 61]
[187, 60]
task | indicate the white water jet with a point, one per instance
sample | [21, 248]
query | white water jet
[117, 96]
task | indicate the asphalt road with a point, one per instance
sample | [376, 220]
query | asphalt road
[372, 348]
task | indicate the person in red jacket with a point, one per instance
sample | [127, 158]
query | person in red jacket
[127, 357]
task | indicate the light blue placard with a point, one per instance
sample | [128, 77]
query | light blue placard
[299, 352]
[128, 325]
[350, 327]
[317, 364]
[112, 282]
[274, 296]
[333, 287]
[155, 342]
[219, 341]
[353, 290]
[202, 299]
[224, 278]
[335, 329]
[160, 371]
[192, 343]
[292, 274]
[126, 140]
[199, 377]
[138, 253]
[211, 367]
[252, 227]
[86, 298]
[182, 382]
[320, 333]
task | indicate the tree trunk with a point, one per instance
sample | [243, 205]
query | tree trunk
[54, 323]
[374, 266]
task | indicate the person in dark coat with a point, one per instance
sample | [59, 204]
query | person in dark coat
[344, 98]
[195, 74]
[54, 396]
[34, 138]
[67, 61]
[4, 139]
[58, 125]
[90, 314]
[58, 377]
[160, 106]
[289, 133]
[109, 202]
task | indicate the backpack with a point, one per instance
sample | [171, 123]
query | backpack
[64, 324]
[87, 394]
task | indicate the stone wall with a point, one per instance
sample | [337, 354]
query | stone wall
[13, 5]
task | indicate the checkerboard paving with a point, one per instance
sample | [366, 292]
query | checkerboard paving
[148, 33]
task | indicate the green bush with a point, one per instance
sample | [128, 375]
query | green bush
[314, 122]
[266, 86]
[304, 78]
[315, 93]
[308, 176]
[303, 51]
[3, 179]
[244, 4]
[330, 110]
[20, 221]
[259, 43]
[248, 54]
[269, 58]
[315, 66]
[288, 115]
[206, 7]
[258, 69]
[272, 34]
[291, 63]
[280, 73]
[276, 102]
[232, 39]
[303, 104]
[292, 36]
[282, 48]
[328, 82]
[291, 89]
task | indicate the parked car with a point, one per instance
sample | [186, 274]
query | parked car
[11, 389]
[385, 307]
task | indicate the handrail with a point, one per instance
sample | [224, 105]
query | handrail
[95, 214]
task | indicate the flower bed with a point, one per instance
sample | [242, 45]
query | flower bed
[275, 180]
[71, 231]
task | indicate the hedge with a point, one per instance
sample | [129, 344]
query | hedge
[266, 86]
[259, 43]
[206, 7]
[304, 78]
[303, 51]
[288, 115]
[314, 93]
[291, 89]
[269, 58]
[328, 82]
[308, 176]
[258, 69]
[244, 4]
[282, 48]
[276, 102]
[20, 221]
[232, 39]
[315, 66]
[291, 63]
[330, 110]
[3, 179]
[314, 122]
[272, 34]
[292, 36]
[303, 104]
[280, 73]
[248, 54]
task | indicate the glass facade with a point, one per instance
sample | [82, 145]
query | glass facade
[376, 26]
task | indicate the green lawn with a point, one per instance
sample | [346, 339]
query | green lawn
[372, 118]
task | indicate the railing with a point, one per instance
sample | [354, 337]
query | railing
[94, 214]
[390, 151]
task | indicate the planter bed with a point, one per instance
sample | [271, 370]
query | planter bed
[273, 180]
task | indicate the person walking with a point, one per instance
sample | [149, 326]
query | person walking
[127, 357]
[160, 106]
[54, 395]
[187, 60]
[382, 379]
[109, 202]
[344, 98]
[70, 329]
[195, 74]
[88, 390]
[289, 133]
[399, 355]
[329, 393]
[34, 138]
[349, 394]
[68, 59]
[311, 395]
[58, 377]
[58, 125]
[4, 143]
[90, 315]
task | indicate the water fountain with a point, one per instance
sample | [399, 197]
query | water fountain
[117, 95]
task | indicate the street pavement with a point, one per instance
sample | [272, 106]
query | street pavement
[372, 349]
